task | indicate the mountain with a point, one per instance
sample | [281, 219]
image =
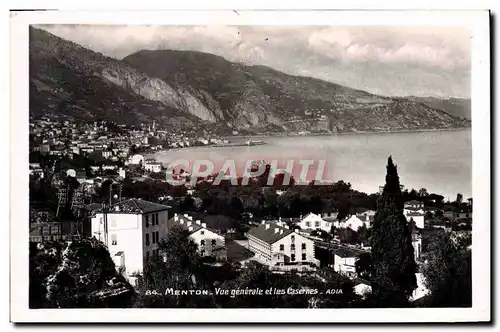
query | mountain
[198, 91]
[459, 107]
[264, 99]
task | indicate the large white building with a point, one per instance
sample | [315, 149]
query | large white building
[131, 229]
[208, 241]
[314, 221]
[278, 247]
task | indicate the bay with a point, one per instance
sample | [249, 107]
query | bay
[440, 161]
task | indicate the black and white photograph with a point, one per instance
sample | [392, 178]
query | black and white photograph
[324, 161]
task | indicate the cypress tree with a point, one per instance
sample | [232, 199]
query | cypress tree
[393, 262]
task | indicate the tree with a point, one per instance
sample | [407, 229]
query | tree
[347, 235]
[393, 262]
[179, 267]
[364, 235]
[448, 273]
[75, 274]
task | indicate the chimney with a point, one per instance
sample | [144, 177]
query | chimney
[203, 225]
[189, 223]
[198, 222]
[296, 230]
[190, 228]
[267, 226]
[276, 230]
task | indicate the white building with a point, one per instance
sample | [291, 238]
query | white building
[417, 217]
[208, 241]
[107, 154]
[313, 221]
[416, 241]
[354, 222]
[71, 172]
[136, 159]
[131, 229]
[414, 206]
[279, 248]
[415, 210]
[344, 261]
[152, 165]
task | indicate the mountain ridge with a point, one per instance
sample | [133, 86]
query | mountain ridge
[193, 89]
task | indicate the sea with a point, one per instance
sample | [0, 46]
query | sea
[439, 161]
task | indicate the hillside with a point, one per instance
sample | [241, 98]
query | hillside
[458, 107]
[261, 98]
[199, 91]
[71, 81]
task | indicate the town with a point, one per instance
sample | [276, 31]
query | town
[95, 181]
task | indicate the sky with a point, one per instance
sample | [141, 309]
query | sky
[390, 61]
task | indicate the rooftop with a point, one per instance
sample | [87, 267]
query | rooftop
[414, 202]
[267, 232]
[185, 222]
[135, 206]
[345, 252]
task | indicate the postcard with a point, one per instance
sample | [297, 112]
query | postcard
[183, 166]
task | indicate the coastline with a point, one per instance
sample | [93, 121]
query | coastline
[281, 135]
[352, 133]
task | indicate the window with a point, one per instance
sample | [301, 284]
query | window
[100, 221]
[214, 242]
[114, 241]
[153, 235]
[147, 254]
[147, 221]
[292, 246]
[202, 242]
[147, 239]
[113, 223]
[316, 224]
[303, 245]
[293, 238]
[202, 253]
[156, 216]
[308, 224]
[292, 257]
[303, 257]
[202, 232]
[157, 236]
[282, 247]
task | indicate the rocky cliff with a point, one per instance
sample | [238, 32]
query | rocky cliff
[198, 90]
